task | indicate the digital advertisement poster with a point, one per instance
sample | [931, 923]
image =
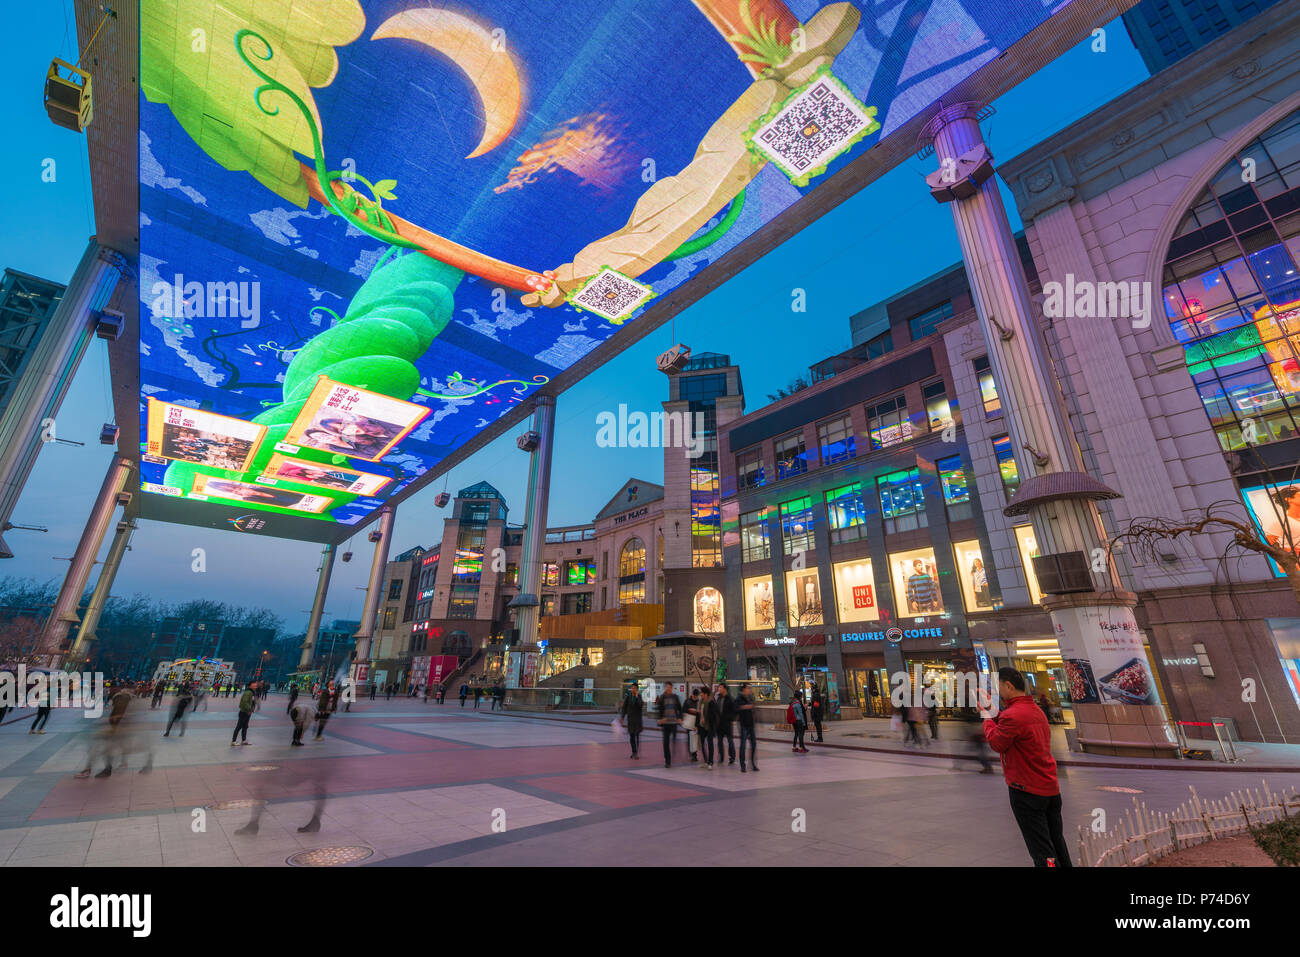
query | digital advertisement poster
[353, 422]
[205, 438]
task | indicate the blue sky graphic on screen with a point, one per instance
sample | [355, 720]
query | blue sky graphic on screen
[370, 230]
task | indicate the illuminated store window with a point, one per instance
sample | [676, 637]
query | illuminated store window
[1006, 464]
[580, 572]
[988, 388]
[708, 611]
[938, 410]
[575, 603]
[887, 422]
[972, 575]
[846, 513]
[550, 573]
[706, 515]
[1232, 291]
[902, 501]
[512, 573]
[956, 489]
[548, 604]
[803, 598]
[753, 536]
[390, 619]
[1028, 552]
[631, 572]
[463, 602]
[855, 591]
[835, 437]
[797, 525]
[749, 469]
[916, 583]
[760, 610]
[791, 456]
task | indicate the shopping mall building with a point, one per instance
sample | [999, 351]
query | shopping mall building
[876, 499]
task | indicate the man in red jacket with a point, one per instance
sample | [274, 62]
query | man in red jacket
[1021, 736]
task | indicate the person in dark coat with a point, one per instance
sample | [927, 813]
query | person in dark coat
[726, 718]
[669, 706]
[293, 696]
[815, 712]
[323, 709]
[464, 693]
[630, 713]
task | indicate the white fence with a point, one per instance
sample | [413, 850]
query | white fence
[1144, 836]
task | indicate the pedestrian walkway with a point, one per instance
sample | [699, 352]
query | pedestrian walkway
[403, 782]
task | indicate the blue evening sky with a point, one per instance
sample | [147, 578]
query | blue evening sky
[887, 237]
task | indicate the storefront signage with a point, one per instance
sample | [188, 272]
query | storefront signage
[787, 640]
[1181, 661]
[862, 597]
[620, 519]
[893, 634]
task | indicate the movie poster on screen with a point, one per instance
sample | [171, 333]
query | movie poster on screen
[205, 438]
[1103, 657]
[1276, 509]
[206, 486]
[353, 422]
[335, 478]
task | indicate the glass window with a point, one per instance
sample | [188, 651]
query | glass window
[797, 525]
[580, 572]
[753, 536]
[708, 611]
[972, 575]
[803, 598]
[706, 513]
[988, 388]
[548, 605]
[1006, 464]
[575, 603]
[887, 422]
[631, 572]
[846, 513]
[1028, 552]
[855, 591]
[791, 456]
[916, 583]
[550, 573]
[390, 619]
[395, 589]
[463, 602]
[924, 324]
[749, 469]
[902, 500]
[938, 410]
[760, 611]
[836, 440]
[512, 573]
[956, 490]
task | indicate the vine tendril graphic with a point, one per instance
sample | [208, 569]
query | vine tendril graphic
[352, 206]
[478, 388]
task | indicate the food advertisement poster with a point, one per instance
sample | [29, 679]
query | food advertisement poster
[1104, 660]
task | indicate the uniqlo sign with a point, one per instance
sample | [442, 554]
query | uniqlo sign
[862, 597]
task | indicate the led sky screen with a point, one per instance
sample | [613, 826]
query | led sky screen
[445, 207]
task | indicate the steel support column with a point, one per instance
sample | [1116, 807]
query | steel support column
[317, 606]
[527, 604]
[86, 634]
[365, 633]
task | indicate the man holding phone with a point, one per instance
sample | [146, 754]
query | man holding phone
[1021, 737]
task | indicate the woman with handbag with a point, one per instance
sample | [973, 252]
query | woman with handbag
[630, 714]
[690, 722]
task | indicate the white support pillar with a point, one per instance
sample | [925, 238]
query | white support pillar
[527, 604]
[381, 536]
[317, 606]
[1097, 631]
[86, 634]
[64, 614]
[40, 391]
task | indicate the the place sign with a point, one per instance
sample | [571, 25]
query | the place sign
[620, 519]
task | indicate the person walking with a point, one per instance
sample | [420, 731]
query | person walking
[478, 694]
[247, 704]
[426, 693]
[815, 713]
[669, 706]
[913, 716]
[158, 690]
[373, 689]
[745, 719]
[932, 717]
[178, 711]
[798, 719]
[293, 696]
[1020, 735]
[630, 715]
[691, 722]
[442, 693]
[390, 692]
[42, 710]
[464, 693]
[726, 718]
[501, 695]
[322, 712]
[708, 721]
[301, 717]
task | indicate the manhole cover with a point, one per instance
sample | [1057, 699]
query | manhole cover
[1119, 790]
[235, 805]
[331, 856]
[263, 767]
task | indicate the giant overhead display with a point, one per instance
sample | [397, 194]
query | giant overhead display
[370, 230]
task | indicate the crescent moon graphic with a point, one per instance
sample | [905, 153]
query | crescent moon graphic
[468, 45]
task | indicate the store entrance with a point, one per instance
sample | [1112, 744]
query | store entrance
[868, 684]
[823, 682]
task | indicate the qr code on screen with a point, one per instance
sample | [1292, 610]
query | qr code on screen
[814, 126]
[611, 295]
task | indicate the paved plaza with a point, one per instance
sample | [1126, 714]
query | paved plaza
[419, 784]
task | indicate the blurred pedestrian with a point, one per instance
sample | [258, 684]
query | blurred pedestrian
[464, 693]
[796, 716]
[690, 722]
[726, 719]
[293, 696]
[183, 698]
[322, 712]
[708, 721]
[42, 709]
[745, 719]
[247, 702]
[815, 712]
[669, 707]
[630, 714]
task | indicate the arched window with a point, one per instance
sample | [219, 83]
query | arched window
[708, 610]
[631, 572]
[1232, 291]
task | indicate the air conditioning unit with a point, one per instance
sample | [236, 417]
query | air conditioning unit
[109, 324]
[67, 96]
[375, 536]
[108, 434]
[674, 360]
[441, 499]
[528, 442]
[347, 556]
[1063, 573]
